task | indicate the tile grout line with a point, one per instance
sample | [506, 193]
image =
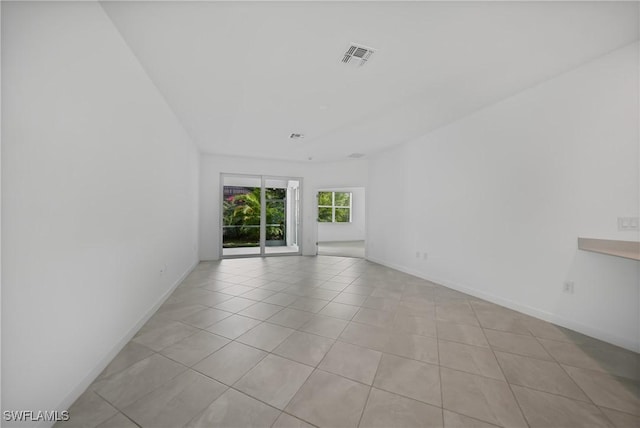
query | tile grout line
[515, 398]
[440, 374]
[373, 381]
[474, 418]
[127, 416]
[617, 411]
[572, 380]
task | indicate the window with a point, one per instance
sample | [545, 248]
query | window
[334, 207]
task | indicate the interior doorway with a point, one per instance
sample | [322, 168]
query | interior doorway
[260, 215]
[341, 222]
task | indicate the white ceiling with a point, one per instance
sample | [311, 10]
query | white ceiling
[243, 76]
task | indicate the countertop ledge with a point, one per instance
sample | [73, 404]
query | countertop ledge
[611, 247]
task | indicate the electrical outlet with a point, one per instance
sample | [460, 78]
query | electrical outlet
[568, 287]
[628, 223]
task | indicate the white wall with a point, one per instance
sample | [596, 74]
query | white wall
[498, 199]
[314, 176]
[99, 188]
[1, 407]
[354, 231]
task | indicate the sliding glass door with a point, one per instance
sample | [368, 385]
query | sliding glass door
[260, 215]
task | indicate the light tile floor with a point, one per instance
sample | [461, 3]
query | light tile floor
[342, 342]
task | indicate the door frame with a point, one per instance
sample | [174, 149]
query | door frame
[365, 212]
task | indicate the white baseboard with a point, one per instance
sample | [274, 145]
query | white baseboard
[528, 310]
[104, 362]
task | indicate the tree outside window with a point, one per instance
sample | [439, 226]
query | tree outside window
[334, 207]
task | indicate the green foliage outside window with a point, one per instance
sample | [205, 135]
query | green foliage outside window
[324, 198]
[241, 216]
[342, 215]
[324, 214]
[334, 207]
[343, 199]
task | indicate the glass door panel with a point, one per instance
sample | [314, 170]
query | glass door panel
[241, 215]
[282, 208]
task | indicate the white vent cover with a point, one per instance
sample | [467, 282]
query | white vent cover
[357, 55]
[356, 155]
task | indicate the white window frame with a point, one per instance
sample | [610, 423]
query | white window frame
[333, 206]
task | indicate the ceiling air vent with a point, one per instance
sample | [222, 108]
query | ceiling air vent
[357, 55]
[356, 155]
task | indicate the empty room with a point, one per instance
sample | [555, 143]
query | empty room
[320, 214]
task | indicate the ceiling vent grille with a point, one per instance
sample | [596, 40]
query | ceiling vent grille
[357, 55]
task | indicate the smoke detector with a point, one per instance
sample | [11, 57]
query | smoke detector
[296, 136]
[357, 55]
